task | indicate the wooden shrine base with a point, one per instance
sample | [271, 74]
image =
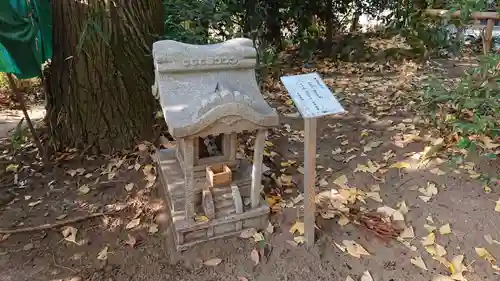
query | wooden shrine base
[226, 223]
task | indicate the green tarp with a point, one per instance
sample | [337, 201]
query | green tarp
[25, 36]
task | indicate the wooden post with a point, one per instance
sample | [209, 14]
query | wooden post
[188, 154]
[20, 98]
[310, 125]
[258, 153]
[488, 36]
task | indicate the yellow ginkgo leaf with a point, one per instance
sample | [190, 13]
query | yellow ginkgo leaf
[483, 253]
[456, 265]
[445, 229]
[418, 262]
[400, 165]
[429, 239]
[341, 181]
[497, 206]
[297, 227]
[429, 228]
[354, 249]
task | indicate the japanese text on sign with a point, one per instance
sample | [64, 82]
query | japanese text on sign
[311, 95]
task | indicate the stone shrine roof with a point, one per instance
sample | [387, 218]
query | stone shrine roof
[204, 88]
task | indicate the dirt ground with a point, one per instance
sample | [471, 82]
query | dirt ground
[380, 116]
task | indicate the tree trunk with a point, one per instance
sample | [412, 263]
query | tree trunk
[273, 24]
[101, 73]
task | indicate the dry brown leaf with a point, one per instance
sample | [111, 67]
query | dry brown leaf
[247, 233]
[366, 276]
[69, 234]
[407, 233]
[131, 241]
[254, 255]
[437, 171]
[354, 249]
[418, 262]
[374, 196]
[133, 223]
[129, 186]
[490, 240]
[397, 216]
[212, 262]
[84, 189]
[103, 254]
[153, 228]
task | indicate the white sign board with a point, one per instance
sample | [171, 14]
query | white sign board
[311, 95]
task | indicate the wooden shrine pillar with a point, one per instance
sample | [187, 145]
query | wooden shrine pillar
[258, 153]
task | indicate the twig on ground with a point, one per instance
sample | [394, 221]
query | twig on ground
[53, 225]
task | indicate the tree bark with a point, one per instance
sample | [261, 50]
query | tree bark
[101, 73]
[272, 33]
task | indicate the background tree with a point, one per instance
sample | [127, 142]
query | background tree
[101, 73]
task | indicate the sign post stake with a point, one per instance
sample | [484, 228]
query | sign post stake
[313, 99]
[310, 125]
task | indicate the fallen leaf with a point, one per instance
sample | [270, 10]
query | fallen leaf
[483, 253]
[349, 278]
[258, 237]
[490, 240]
[133, 223]
[497, 206]
[28, 247]
[372, 145]
[374, 196]
[153, 228]
[457, 266]
[418, 262]
[342, 181]
[429, 228]
[69, 234]
[254, 255]
[397, 216]
[354, 249]
[299, 227]
[247, 233]
[386, 211]
[131, 241]
[33, 204]
[299, 239]
[437, 171]
[407, 233]
[343, 220]
[349, 158]
[403, 208]
[103, 254]
[129, 186]
[323, 183]
[60, 217]
[429, 239]
[425, 198]
[241, 278]
[445, 229]
[202, 218]
[213, 262]
[400, 165]
[84, 189]
[270, 228]
[366, 276]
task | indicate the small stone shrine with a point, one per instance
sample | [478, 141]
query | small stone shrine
[208, 94]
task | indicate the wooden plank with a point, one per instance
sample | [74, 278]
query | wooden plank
[488, 36]
[309, 180]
